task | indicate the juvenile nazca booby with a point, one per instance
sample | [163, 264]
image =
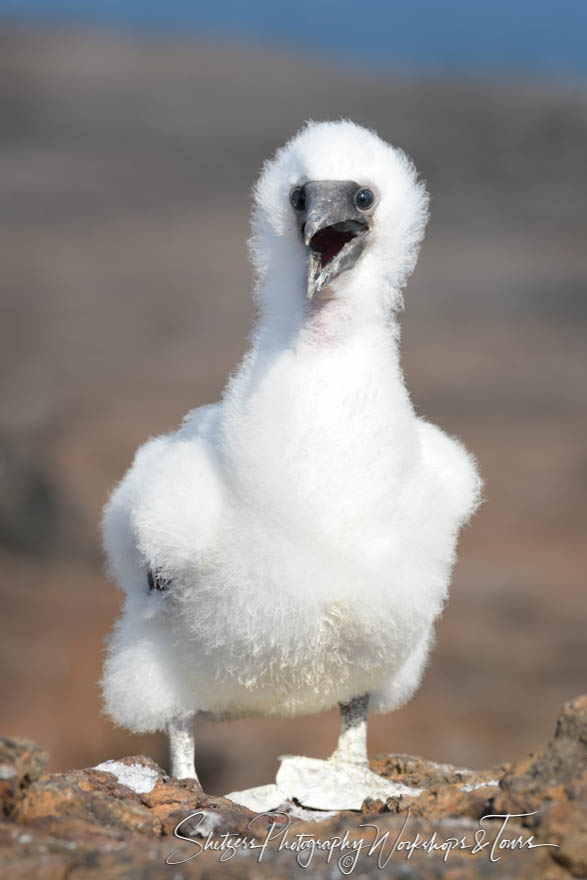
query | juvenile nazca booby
[289, 548]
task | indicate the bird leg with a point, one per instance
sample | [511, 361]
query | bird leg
[182, 747]
[342, 782]
[352, 739]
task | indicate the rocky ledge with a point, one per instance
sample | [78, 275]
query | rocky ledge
[122, 820]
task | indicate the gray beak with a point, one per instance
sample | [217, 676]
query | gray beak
[333, 229]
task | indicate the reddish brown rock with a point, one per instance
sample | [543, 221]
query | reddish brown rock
[546, 774]
[551, 785]
[427, 774]
[21, 762]
[448, 791]
[61, 797]
[89, 824]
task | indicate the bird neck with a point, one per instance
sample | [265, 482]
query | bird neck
[318, 406]
[329, 345]
[329, 322]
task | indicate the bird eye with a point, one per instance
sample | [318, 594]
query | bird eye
[298, 199]
[364, 199]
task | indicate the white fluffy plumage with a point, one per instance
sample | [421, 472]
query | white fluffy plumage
[306, 524]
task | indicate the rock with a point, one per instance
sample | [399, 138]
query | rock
[551, 785]
[426, 774]
[117, 820]
[64, 801]
[560, 764]
[21, 762]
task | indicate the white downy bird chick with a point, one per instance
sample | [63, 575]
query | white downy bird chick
[289, 548]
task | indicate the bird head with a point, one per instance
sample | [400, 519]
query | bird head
[338, 212]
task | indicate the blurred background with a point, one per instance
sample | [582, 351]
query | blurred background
[130, 136]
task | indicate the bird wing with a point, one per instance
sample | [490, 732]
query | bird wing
[454, 469]
[163, 515]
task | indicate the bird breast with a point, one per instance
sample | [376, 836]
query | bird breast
[315, 570]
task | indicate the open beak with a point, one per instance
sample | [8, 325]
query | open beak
[333, 229]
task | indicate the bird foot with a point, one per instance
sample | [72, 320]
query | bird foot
[335, 784]
[315, 784]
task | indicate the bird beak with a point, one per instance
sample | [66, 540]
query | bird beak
[333, 229]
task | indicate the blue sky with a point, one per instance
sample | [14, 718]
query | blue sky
[543, 37]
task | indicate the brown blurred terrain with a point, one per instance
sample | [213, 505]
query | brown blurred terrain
[125, 171]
